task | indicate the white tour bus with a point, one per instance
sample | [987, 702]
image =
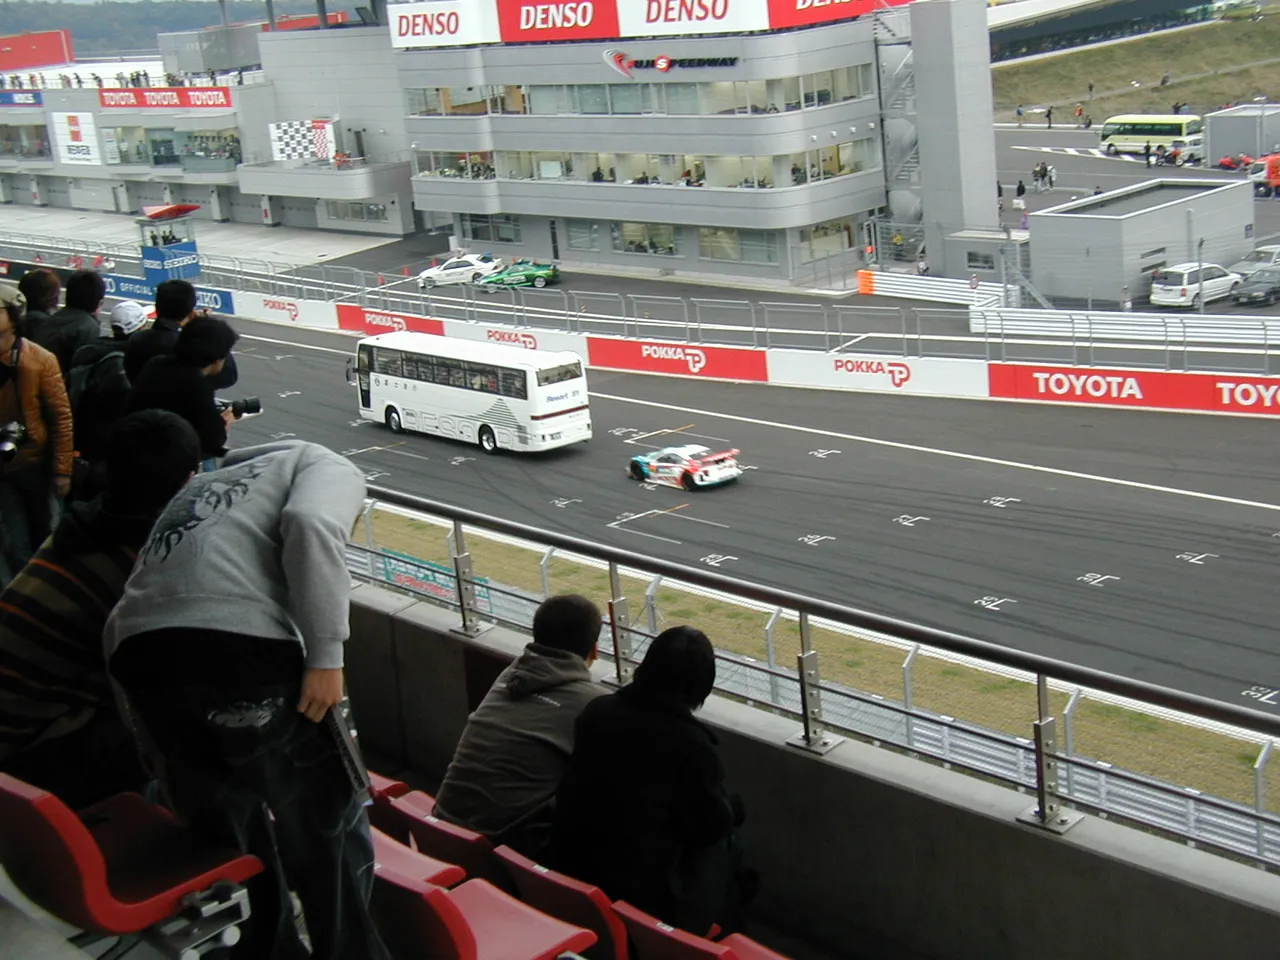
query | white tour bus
[500, 397]
[1131, 132]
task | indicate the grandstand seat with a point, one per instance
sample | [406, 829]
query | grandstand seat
[406, 861]
[436, 838]
[120, 868]
[386, 787]
[475, 921]
[655, 940]
[394, 819]
[569, 900]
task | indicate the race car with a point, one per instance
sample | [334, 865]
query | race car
[691, 467]
[467, 268]
[523, 273]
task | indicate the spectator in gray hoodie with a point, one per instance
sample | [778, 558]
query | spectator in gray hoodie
[517, 744]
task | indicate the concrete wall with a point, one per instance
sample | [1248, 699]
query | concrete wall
[1251, 129]
[861, 849]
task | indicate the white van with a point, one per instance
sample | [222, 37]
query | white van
[1182, 285]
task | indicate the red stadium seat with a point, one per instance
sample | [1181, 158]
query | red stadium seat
[475, 921]
[119, 867]
[386, 787]
[444, 841]
[569, 900]
[405, 861]
[394, 820]
[655, 940]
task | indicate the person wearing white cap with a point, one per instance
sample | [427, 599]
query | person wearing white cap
[98, 389]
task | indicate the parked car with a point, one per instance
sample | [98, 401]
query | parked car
[463, 269]
[523, 273]
[1260, 289]
[1267, 256]
[1183, 284]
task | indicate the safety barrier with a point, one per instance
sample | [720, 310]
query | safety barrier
[1163, 328]
[937, 289]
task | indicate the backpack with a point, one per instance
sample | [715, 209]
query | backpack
[97, 392]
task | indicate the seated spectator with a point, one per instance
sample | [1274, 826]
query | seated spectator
[99, 390]
[61, 731]
[43, 291]
[175, 307]
[76, 323]
[228, 643]
[514, 750]
[641, 753]
[183, 382]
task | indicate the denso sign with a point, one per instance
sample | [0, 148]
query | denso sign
[443, 23]
[527, 21]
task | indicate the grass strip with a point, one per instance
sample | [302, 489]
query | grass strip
[1202, 760]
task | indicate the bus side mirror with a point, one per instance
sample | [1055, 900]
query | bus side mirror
[350, 371]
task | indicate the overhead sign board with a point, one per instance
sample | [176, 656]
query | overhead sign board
[76, 138]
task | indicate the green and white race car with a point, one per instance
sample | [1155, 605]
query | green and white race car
[523, 273]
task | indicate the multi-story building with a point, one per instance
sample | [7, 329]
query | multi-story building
[691, 136]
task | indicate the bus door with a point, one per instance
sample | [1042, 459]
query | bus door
[364, 363]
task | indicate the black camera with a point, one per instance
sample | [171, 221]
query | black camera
[12, 436]
[245, 406]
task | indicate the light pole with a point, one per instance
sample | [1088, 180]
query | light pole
[1200, 271]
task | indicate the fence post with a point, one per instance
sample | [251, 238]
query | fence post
[368, 525]
[471, 626]
[651, 604]
[814, 737]
[1260, 797]
[1047, 813]
[1069, 737]
[908, 697]
[770, 654]
[619, 626]
[544, 569]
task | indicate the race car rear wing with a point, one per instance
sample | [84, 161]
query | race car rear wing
[717, 457]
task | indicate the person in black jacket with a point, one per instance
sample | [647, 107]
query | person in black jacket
[175, 307]
[642, 751]
[76, 324]
[43, 291]
[183, 383]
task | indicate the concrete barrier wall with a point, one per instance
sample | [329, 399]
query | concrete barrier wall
[863, 849]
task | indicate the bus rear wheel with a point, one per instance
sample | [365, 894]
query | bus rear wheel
[488, 442]
[393, 420]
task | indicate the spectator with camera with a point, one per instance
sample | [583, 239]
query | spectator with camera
[228, 643]
[98, 390]
[76, 323]
[176, 306]
[61, 730]
[35, 438]
[183, 382]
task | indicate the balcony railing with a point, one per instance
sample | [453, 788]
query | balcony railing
[338, 164]
[1041, 759]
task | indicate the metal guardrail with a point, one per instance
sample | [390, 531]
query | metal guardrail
[1041, 762]
[1159, 327]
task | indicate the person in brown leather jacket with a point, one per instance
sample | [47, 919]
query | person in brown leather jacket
[35, 458]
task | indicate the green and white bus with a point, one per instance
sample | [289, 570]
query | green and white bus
[1131, 132]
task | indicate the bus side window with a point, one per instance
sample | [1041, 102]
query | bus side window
[513, 383]
[387, 362]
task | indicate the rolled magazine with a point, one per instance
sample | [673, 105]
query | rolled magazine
[338, 721]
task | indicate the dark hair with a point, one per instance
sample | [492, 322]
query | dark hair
[86, 290]
[175, 300]
[678, 665]
[41, 288]
[150, 456]
[568, 622]
[205, 340]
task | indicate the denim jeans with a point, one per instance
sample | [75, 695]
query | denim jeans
[26, 517]
[209, 465]
[247, 770]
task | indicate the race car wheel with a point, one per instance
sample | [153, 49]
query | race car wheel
[687, 482]
[637, 471]
[488, 442]
[426, 284]
[539, 282]
[393, 420]
[477, 277]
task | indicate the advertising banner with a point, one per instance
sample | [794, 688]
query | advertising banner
[532, 21]
[21, 98]
[131, 288]
[680, 18]
[921, 376]
[444, 23]
[649, 356]
[805, 13]
[160, 97]
[44, 48]
[1160, 389]
[75, 138]
[175, 261]
[516, 337]
[372, 322]
[317, 314]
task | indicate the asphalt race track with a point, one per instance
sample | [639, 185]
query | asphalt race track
[927, 506]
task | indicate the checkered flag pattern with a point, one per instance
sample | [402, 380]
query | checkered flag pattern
[292, 140]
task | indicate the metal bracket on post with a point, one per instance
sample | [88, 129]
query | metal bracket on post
[619, 627]
[472, 625]
[814, 737]
[1047, 814]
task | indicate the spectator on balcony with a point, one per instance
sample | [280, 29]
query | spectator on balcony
[176, 304]
[516, 745]
[61, 731]
[76, 324]
[642, 751]
[43, 291]
[228, 642]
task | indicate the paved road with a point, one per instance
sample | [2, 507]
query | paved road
[1115, 493]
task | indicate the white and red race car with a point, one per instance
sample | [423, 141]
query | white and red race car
[691, 467]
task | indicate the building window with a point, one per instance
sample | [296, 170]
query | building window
[491, 228]
[423, 103]
[459, 165]
[582, 234]
[659, 239]
[979, 261]
[737, 246]
[826, 239]
[355, 210]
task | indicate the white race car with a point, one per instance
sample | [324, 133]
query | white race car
[467, 268]
[689, 467]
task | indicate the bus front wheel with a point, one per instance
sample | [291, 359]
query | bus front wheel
[1112, 149]
[488, 442]
[393, 420]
